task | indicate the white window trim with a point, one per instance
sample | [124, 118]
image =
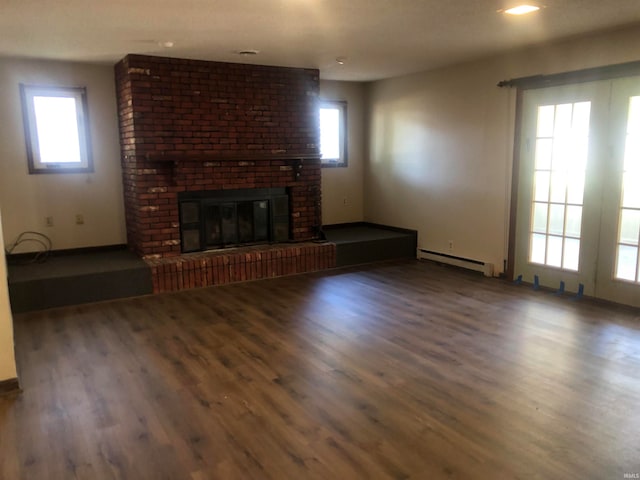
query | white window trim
[28, 92]
[343, 160]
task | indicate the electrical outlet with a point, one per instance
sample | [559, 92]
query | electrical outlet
[79, 219]
[344, 201]
[48, 221]
[450, 245]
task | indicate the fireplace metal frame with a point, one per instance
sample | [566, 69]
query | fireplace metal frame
[193, 207]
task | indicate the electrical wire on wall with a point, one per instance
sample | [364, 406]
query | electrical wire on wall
[31, 237]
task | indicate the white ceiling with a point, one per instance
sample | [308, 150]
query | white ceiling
[379, 38]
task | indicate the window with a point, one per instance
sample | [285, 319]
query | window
[56, 129]
[333, 135]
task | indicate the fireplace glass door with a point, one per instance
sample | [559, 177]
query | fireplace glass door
[218, 221]
[235, 223]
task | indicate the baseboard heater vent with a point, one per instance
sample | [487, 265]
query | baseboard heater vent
[477, 265]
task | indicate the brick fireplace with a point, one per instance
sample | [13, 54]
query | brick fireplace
[190, 126]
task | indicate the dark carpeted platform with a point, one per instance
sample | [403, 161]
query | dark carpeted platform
[367, 242]
[69, 279]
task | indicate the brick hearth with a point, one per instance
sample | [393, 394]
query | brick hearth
[219, 267]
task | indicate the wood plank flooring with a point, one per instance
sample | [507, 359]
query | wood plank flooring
[398, 370]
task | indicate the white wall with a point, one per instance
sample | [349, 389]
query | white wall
[340, 184]
[7, 357]
[28, 199]
[441, 144]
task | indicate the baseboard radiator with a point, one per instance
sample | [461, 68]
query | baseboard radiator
[477, 265]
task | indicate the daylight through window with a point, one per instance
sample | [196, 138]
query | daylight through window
[56, 129]
[333, 143]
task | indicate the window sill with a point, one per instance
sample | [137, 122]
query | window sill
[334, 164]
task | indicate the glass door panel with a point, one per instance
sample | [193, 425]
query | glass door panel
[245, 222]
[261, 220]
[560, 152]
[619, 257]
[213, 225]
[627, 260]
[556, 237]
[229, 223]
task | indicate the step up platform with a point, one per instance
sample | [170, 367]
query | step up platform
[75, 278]
[95, 275]
[365, 242]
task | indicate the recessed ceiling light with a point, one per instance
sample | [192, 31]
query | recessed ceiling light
[521, 10]
[246, 53]
[167, 44]
[341, 60]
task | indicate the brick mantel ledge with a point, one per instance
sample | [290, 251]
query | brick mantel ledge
[221, 157]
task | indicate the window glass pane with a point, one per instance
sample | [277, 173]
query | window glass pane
[571, 254]
[581, 115]
[629, 226]
[634, 114]
[330, 133]
[538, 248]
[540, 217]
[544, 148]
[575, 187]
[562, 150]
[541, 189]
[558, 187]
[633, 124]
[554, 251]
[632, 148]
[631, 189]
[574, 221]
[632, 152]
[545, 121]
[556, 219]
[577, 156]
[626, 262]
[57, 126]
[562, 127]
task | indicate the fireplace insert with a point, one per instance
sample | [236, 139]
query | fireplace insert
[230, 218]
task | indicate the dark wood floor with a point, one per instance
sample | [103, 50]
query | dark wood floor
[400, 370]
